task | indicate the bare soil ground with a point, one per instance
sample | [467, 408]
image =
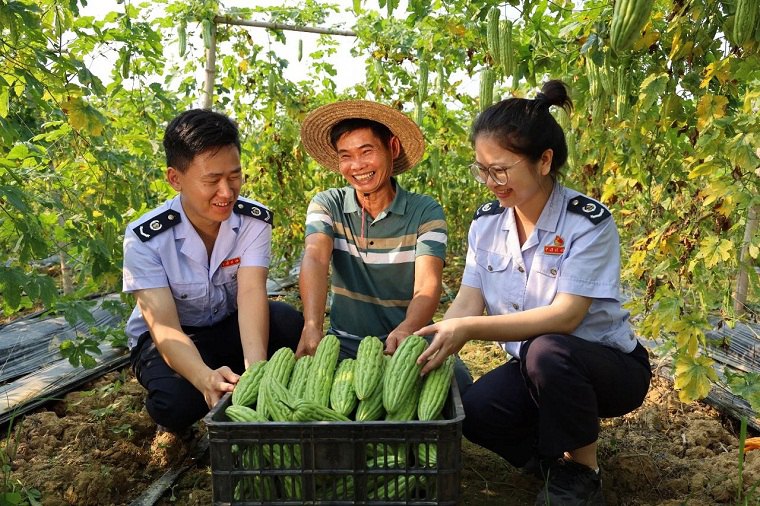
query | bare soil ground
[98, 446]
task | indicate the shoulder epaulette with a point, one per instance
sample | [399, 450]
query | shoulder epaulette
[254, 211]
[159, 223]
[591, 209]
[492, 207]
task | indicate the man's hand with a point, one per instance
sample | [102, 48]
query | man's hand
[216, 383]
[310, 338]
[394, 340]
[425, 298]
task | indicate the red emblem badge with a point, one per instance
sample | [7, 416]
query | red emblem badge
[557, 248]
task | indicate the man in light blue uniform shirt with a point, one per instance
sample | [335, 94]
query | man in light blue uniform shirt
[197, 266]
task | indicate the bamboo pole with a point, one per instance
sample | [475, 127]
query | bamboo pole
[229, 20]
[208, 89]
[745, 262]
[67, 279]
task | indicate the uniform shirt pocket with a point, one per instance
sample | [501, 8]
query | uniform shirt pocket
[490, 262]
[547, 265]
[226, 280]
[500, 285]
[545, 272]
[189, 292]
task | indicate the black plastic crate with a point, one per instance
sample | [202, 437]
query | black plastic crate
[336, 463]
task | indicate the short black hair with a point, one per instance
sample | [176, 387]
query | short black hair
[341, 128]
[525, 126]
[196, 131]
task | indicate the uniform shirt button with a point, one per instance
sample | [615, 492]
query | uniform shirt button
[490, 268]
[521, 269]
[216, 310]
[553, 272]
[515, 305]
[183, 296]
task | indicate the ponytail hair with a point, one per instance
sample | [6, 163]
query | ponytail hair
[525, 126]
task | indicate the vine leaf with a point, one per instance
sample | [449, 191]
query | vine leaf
[745, 385]
[83, 116]
[710, 108]
[714, 250]
[693, 376]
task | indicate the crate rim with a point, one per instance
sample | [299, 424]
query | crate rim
[456, 401]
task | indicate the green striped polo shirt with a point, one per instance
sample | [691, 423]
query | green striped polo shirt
[373, 274]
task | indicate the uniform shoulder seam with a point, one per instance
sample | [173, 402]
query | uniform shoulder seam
[253, 210]
[590, 208]
[489, 208]
[157, 224]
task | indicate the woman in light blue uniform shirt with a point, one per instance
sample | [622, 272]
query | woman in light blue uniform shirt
[543, 262]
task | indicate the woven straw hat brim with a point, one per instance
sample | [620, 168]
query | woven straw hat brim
[315, 131]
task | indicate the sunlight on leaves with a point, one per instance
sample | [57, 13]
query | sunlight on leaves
[83, 116]
[710, 108]
[693, 377]
[714, 250]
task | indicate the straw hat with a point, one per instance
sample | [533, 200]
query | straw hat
[316, 128]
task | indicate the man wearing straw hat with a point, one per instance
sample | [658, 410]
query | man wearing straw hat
[387, 245]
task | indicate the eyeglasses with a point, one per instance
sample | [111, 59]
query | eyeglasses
[499, 174]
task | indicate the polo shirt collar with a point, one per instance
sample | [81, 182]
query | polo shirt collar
[398, 204]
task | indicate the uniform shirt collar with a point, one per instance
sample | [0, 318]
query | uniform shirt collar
[186, 228]
[549, 215]
[547, 221]
[552, 210]
[398, 204]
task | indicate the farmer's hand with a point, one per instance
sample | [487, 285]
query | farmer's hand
[448, 338]
[310, 338]
[394, 340]
[216, 383]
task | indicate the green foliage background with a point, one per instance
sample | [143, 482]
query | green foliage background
[665, 133]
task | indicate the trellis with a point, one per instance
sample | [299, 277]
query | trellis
[210, 70]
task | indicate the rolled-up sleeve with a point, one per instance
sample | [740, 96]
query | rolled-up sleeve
[432, 234]
[318, 218]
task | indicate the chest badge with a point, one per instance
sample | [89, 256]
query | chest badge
[230, 262]
[557, 248]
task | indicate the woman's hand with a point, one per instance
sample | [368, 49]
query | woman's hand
[448, 338]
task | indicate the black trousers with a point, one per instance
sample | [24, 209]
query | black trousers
[173, 401]
[550, 400]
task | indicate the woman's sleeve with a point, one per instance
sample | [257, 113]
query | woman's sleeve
[592, 266]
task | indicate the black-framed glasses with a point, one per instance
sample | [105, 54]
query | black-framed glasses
[499, 173]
